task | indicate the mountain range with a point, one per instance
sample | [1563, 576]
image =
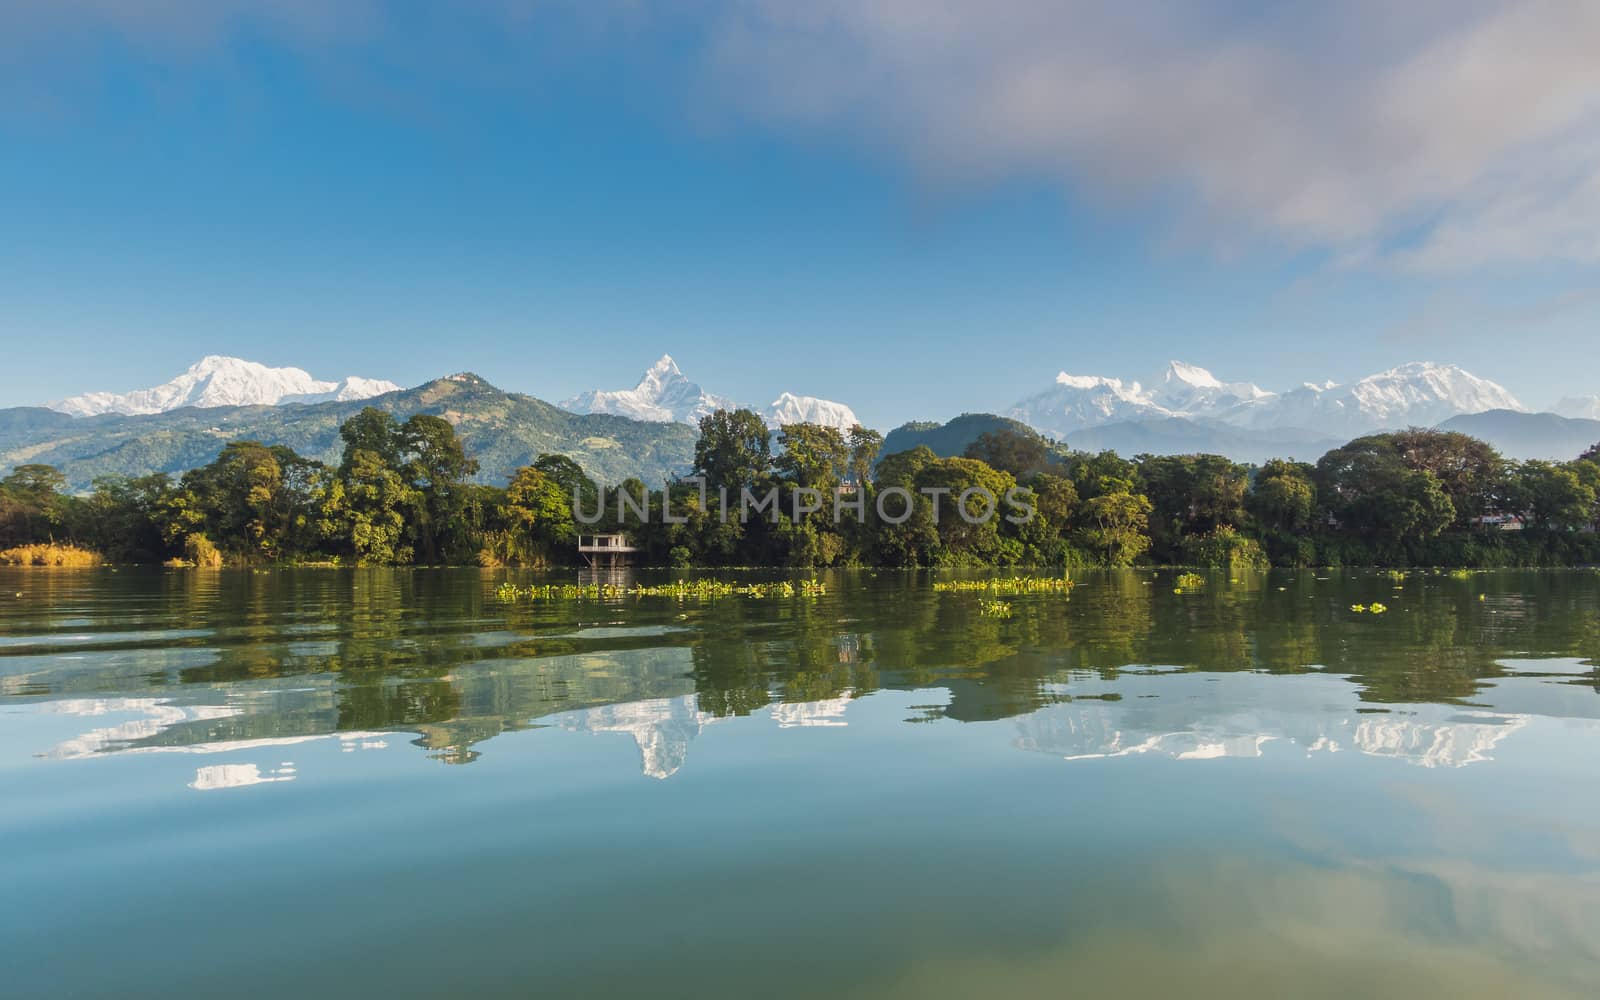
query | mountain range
[665, 394]
[648, 431]
[1420, 393]
[502, 430]
[216, 381]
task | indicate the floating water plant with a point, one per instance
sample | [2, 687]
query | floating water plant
[679, 590]
[1007, 585]
[1189, 581]
[993, 609]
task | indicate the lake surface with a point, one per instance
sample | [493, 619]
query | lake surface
[369, 783]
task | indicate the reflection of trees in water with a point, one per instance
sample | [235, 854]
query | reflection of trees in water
[431, 652]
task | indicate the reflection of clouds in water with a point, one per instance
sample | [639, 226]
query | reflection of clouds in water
[160, 714]
[1265, 926]
[215, 776]
[663, 728]
[1232, 716]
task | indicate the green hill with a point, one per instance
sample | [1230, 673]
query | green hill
[501, 430]
[949, 439]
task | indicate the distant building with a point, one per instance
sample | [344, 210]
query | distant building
[609, 550]
[1500, 522]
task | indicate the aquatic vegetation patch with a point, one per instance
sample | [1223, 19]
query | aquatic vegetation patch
[679, 590]
[1374, 608]
[1007, 585]
[994, 608]
[1188, 582]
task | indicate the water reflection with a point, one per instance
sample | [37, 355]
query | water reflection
[211, 662]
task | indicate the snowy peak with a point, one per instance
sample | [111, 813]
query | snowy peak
[216, 380]
[791, 409]
[1189, 390]
[1193, 376]
[664, 394]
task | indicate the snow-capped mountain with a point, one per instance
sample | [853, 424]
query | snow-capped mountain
[1419, 393]
[666, 395]
[791, 409]
[1416, 394]
[1582, 407]
[1189, 390]
[1076, 402]
[223, 381]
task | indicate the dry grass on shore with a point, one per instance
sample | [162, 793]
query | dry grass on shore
[50, 554]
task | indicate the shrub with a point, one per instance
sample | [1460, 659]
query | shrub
[1224, 548]
[49, 554]
[198, 551]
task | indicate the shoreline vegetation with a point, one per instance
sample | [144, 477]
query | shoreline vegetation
[404, 495]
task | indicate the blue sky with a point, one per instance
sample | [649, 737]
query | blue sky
[918, 208]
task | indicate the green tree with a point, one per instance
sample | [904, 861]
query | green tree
[1019, 452]
[1115, 522]
[374, 499]
[865, 444]
[1373, 493]
[1556, 496]
[436, 467]
[373, 431]
[813, 456]
[734, 450]
[1470, 472]
[33, 504]
[537, 526]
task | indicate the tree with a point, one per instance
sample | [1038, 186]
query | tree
[436, 467]
[734, 450]
[33, 507]
[1116, 521]
[813, 456]
[865, 444]
[1372, 491]
[1470, 472]
[374, 500]
[1191, 495]
[536, 521]
[122, 518]
[960, 540]
[1283, 498]
[1020, 452]
[373, 431]
[1556, 496]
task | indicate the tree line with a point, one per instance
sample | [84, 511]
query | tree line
[404, 494]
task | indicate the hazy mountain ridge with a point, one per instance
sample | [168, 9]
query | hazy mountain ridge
[1529, 435]
[217, 381]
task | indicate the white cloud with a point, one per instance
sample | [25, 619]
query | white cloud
[1463, 130]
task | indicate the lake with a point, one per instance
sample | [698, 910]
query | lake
[374, 783]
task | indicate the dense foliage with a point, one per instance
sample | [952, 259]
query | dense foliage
[406, 492]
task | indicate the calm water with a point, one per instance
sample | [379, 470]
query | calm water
[354, 783]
